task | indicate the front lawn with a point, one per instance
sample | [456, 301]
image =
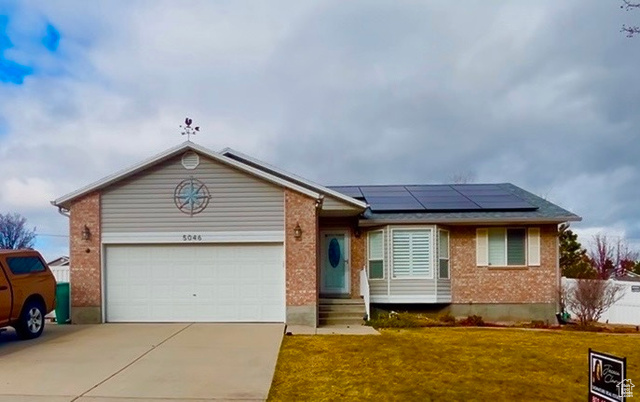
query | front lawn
[445, 364]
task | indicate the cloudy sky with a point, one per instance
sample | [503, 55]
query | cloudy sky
[543, 94]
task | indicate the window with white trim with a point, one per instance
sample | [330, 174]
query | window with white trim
[502, 247]
[443, 254]
[376, 254]
[411, 253]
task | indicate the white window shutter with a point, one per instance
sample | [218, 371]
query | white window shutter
[482, 247]
[534, 247]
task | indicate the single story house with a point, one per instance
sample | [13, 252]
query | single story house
[197, 235]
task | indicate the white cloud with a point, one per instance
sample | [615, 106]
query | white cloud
[27, 193]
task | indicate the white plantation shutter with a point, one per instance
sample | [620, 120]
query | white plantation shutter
[375, 246]
[412, 253]
[533, 249]
[482, 247]
[376, 255]
[497, 247]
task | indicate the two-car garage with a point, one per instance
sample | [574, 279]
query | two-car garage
[194, 282]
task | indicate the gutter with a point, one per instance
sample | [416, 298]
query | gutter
[468, 221]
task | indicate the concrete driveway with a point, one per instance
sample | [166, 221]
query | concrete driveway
[145, 362]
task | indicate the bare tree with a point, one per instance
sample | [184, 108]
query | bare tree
[611, 257]
[588, 299]
[462, 177]
[13, 232]
[630, 31]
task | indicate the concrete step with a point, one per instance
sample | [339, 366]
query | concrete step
[324, 301]
[341, 321]
[347, 308]
[346, 314]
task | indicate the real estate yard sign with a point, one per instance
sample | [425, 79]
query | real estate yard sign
[608, 378]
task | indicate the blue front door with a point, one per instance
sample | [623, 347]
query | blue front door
[335, 264]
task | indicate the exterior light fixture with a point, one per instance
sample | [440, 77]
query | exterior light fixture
[86, 233]
[357, 233]
[297, 231]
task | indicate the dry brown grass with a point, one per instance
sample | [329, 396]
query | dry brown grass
[445, 364]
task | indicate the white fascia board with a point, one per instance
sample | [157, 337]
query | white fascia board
[187, 145]
[318, 187]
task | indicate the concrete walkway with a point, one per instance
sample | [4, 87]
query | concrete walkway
[331, 330]
[145, 362]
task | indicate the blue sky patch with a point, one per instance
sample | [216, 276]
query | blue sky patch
[10, 71]
[52, 38]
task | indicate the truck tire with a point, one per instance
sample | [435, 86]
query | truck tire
[31, 323]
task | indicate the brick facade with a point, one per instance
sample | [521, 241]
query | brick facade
[471, 284]
[85, 254]
[301, 254]
[358, 250]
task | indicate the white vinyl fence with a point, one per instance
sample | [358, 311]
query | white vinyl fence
[624, 311]
[61, 273]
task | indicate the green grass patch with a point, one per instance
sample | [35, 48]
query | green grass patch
[445, 364]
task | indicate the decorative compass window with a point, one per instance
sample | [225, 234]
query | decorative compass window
[191, 196]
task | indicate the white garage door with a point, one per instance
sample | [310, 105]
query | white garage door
[223, 283]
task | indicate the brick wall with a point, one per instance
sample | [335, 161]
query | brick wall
[473, 284]
[301, 254]
[85, 254]
[358, 250]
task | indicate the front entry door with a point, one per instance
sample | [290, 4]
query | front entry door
[335, 263]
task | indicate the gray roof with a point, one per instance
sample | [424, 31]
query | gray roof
[544, 212]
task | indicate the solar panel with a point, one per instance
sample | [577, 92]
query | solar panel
[437, 197]
[398, 203]
[508, 201]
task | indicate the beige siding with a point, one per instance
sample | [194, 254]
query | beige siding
[378, 287]
[239, 201]
[444, 290]
[413, 287]
[333, 204]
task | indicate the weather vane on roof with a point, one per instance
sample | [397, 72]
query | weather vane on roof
[188, 130]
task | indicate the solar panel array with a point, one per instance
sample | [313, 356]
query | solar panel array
[458, 197]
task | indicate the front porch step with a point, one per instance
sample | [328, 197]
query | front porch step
[334, 311]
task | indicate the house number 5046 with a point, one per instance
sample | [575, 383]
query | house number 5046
[191, 237]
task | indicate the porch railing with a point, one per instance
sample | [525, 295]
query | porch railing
[364, 292]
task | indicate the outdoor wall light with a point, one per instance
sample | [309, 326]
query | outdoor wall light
[357, 233]
[297, 231]
[86, 233]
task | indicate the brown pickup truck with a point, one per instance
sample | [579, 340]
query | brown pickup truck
[27, 292]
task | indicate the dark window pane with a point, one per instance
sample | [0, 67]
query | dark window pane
[25, 265]
[516, 247]
[376, 270]
[444, 269]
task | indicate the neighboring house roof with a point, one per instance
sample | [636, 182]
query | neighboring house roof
[66, 200]
[62, 261]
[522, 206]
[239, 156]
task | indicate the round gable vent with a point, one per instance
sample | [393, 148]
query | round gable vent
[190, 160]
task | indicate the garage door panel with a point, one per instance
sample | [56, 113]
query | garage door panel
[225, 283]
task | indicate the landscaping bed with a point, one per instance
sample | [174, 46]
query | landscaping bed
[444, 363]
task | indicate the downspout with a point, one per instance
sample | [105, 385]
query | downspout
[61, 210]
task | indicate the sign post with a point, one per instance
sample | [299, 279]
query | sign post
[608, 378]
